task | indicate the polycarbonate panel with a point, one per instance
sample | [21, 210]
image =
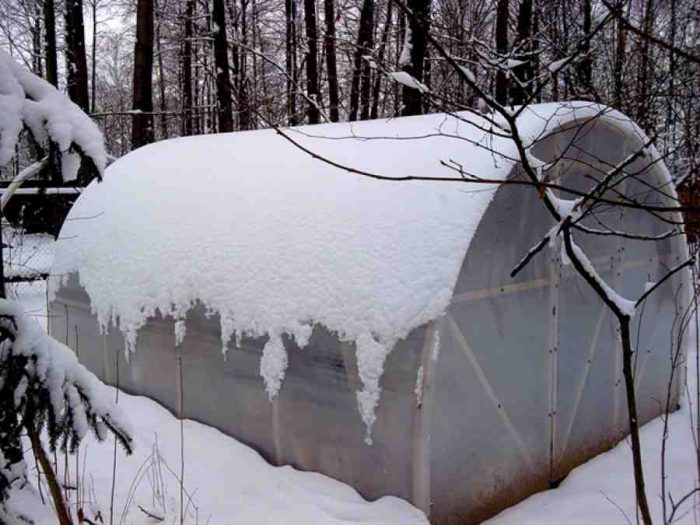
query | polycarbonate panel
[496, 401]
[588, 368]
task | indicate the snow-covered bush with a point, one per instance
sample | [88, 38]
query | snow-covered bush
[44, 387]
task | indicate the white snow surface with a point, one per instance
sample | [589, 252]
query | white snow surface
[226, 482]
[26, 99]
[537, 120]
[273, 240]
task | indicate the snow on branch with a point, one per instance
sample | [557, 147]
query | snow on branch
[29, 101]
[43, 386]
[620, 305]
[409, 81]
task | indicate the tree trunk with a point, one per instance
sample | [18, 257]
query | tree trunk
[245, 117]
[502, 50]
[670, 99]
[50, 42]
[291, 59]
[331, 62]
[380, 58]
[628, 374]
[585, 66]
[223, 78]
[142, 122]
[312, 112]
[93, 56]
[620, 48]
[161, 78]
[76, 63]
[361, 70]
[54, 487]
[645, 67]
[523, 73]
[187, 70]
[418, 26]
[37, 62]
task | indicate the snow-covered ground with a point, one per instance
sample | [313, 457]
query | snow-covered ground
[227, 482]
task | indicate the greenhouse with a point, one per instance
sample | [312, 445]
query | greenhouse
[396, 351]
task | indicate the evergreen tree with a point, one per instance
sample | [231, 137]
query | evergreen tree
[43, 387]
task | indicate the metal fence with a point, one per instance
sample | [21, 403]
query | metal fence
[26, 257]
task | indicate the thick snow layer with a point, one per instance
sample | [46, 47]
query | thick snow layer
[274, 240]
[537, 120]
[26, 99]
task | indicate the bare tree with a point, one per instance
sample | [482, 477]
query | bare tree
[522, 85]
[361, 70]
[186, 67]
[223, 79]
[331, 59]
[312, 112]
[502, 15]
[142, 123]
[50, 42]
[416, 46]
[291, 58]
[76, 63]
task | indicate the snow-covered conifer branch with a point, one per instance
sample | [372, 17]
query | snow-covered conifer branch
[44, 387]
[27, 101]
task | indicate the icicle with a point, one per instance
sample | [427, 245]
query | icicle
[370, 365]
[129, 342]
[227, 331]
[273, 365]
[418, 390]
[180, 331]
[70, 164]
[435, 349]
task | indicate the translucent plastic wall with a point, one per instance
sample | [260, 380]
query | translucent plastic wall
[521, 378]
[529, 379]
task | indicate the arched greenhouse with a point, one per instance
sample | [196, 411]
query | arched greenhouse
[396, 352]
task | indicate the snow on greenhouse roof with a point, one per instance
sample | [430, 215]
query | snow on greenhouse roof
[275, 241]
